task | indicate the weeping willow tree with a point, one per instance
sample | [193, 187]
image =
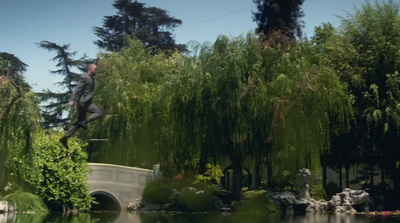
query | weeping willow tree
[306, 94]
[129, 86]
[236, 97]
[19, 111]
[239, 97]
[365, 51]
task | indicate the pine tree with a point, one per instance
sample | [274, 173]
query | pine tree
[279, 15]
[151, 25]
[55, 111]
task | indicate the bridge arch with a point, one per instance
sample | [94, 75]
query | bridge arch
[117, 185]
[106, 201]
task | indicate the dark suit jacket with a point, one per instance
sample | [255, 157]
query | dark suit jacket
[84, 90]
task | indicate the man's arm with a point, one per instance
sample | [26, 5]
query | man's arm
[78, 90]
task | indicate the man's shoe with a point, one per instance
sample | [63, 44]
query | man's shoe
[64, 141]
[82, 125]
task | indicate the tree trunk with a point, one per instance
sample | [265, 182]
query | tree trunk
[3, 162]
[269, 171]
[340, 178]
[237, 178]
[371, 173]
[324, 176]
[347, 175]
[257, 176]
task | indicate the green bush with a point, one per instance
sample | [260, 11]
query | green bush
[210, 179]
[248, 195]
[256, 201]
[27, 202]
[157, 192]
[192, 200]
[318, 192]
[59, 175]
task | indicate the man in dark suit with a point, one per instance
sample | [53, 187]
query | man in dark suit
[82, 95]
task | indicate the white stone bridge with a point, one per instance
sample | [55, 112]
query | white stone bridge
[114, 186]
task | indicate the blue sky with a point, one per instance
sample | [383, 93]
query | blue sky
[26, 22]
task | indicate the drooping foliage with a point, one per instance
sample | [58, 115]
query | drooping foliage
[151, 25]
[365, 51]
[129, 90]
[279, 15]
[235, 97]
[31, 160]
[19, 111]
[240, 97]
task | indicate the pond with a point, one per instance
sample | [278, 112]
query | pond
[214, 217]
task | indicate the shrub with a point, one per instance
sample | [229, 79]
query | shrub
[256, 201]
[318, 192]
[59, 175]
[27, 202]
[192, 200]
[248, 195]
[210, 179]
[157, 192]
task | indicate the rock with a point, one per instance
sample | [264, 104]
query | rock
[225, 209]
[217, 201]
[312, 207]
[349, 201]
[351, 211]
[3, 206]
[288, 202]
[283, 199]
[322, 206]
[151, 207]
[12, 207]
[359, 197]
[303, 181]
[334, 202]
[300, 206]
[135, 205]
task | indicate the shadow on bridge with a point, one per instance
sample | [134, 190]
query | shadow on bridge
[105, 201]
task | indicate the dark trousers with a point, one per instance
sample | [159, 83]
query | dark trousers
[83, 108]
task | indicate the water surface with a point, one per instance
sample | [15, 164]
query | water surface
[214, 217]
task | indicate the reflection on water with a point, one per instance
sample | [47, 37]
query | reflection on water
[161, 217]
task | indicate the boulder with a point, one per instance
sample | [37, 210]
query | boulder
[3, 206]
[135, 205]
[349, 201]
[303, 181]
[288, 202]
[322, 206]
[12, 207]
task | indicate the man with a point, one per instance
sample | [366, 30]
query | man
[82, 95]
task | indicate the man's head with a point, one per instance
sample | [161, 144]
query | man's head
[92, 69]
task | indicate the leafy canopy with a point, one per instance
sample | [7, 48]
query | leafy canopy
[151, 25]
